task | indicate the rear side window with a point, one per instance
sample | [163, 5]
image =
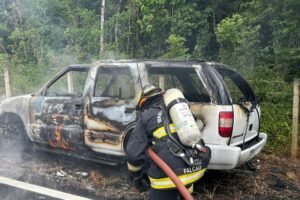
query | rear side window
[114, 82]
[239, 89]
[185, 79]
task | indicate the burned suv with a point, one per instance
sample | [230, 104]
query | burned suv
[88, 111]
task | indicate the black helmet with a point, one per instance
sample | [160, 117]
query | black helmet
[147, 92]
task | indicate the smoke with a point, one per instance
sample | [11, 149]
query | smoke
[40, 48]
[11, 160]
[10, 156]
[43, 36]
[34, 35]
[113, 55]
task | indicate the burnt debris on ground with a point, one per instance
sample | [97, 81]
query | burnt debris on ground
[275, 178]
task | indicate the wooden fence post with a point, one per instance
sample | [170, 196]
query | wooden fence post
[70, 82]
[294, 150]
[6, 81]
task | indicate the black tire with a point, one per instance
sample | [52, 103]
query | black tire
[126, 139]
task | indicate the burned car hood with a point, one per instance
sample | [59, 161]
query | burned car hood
[18, 104]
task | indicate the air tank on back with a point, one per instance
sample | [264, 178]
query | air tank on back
[182, 117]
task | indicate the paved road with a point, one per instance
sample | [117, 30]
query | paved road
[11, 189]
[60, 173]
[12, 193]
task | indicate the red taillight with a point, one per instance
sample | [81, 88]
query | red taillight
[225, 124]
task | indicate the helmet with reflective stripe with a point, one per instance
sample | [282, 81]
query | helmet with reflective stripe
[148, 92]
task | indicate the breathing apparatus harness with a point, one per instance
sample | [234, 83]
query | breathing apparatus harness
[189, 145]
[190, 155]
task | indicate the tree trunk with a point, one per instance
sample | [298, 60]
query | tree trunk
[102, 28]
[128, 37]
[7, 84]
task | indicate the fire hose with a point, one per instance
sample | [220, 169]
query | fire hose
[182, 189]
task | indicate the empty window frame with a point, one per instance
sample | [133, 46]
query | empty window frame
[114, 82]
[185, 79]
[70, 83]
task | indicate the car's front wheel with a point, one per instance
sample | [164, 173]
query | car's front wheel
[12, 134]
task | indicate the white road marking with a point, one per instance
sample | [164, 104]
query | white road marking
[39, 189]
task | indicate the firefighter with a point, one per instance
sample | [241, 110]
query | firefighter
[150, 132]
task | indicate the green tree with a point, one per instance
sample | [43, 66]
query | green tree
[239, 41]
[83, 33]
[278, 35]
[160, 18]
[176, 49]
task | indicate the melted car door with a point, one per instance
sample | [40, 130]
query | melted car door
[111, 108]
[245, 107]
[57, 112]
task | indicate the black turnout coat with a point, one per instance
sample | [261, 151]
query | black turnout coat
[150, 132]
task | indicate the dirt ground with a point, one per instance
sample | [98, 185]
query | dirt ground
[275, 178]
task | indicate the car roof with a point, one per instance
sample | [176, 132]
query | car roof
[152, 62]
[155, 63]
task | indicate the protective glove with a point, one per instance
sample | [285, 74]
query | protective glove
[205, 155]
[202, 154]
[140, 181]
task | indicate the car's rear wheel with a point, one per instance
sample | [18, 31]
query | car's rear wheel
[126, 139]
[127, 134]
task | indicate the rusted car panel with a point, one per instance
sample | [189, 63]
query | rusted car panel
[111, 107]
[105, 125]
[88, 111]
[56, 115]
[17, 106]
[56, 121]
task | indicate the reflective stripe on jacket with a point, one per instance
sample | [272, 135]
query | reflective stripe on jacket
[161, 132]
[133, 168]
[167, 183]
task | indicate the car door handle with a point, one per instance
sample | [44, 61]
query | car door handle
[129, 110]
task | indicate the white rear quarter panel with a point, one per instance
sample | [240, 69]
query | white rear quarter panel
[209, 114]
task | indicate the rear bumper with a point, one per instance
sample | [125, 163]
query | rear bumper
[226, 157]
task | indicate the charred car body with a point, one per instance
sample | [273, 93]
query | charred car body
[88, 111]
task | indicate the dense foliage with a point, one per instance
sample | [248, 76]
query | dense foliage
[260, 38]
